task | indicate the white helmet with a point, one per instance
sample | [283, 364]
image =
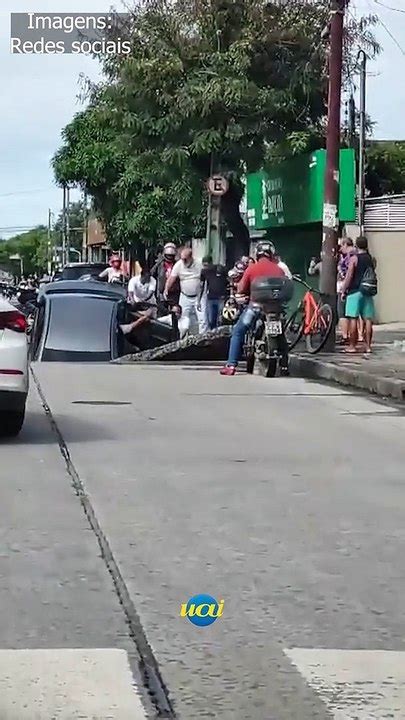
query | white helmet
[170, 249]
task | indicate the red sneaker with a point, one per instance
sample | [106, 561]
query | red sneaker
[228, 370]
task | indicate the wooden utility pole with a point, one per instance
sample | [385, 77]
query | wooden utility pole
[50, 245]
[362, 141]
[85, 247]
[331, 198]
[64, 226]
[67, 224]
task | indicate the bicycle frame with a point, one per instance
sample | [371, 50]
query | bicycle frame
[313, 319]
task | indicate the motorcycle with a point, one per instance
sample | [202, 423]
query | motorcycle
[265, 342]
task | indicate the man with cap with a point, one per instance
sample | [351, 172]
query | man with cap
[161, 271]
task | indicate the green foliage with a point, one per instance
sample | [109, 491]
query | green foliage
[233, 80]
[31, 246]
[76, 225]
[386, 168]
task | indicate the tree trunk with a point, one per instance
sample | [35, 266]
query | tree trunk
[230, 207]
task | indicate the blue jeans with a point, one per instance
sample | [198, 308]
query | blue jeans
[245, 322]
[214, 309]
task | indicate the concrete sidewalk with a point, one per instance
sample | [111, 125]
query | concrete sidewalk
[382, 373]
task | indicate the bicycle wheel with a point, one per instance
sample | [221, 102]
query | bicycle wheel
[294, 328]
[321, 329]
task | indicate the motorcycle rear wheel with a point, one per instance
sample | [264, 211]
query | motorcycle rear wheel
[268, 365]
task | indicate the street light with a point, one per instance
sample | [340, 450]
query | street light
[75, 251]
[18, 257]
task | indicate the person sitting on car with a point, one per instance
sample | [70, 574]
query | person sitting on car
[114, 273]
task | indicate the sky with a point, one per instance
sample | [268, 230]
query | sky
[39, 97]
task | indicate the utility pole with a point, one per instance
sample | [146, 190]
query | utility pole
[67, 224]
[331, 198]
[362, 142]
[64, 226]
[217, 186]
[208, 240]
[85, 248]
[213, 236]
[49, 252]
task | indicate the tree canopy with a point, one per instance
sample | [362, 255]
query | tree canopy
[228, 82]
[32, 246]
[385, 174]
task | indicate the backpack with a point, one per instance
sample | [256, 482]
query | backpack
[369, 284]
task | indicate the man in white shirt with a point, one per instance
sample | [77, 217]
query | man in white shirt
[188, 271]
[142, 289]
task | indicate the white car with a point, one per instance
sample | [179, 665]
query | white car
[13, 368]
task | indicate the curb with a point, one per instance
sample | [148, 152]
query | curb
[313, 369]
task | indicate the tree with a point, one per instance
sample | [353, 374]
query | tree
[76, 225]
[32, 248]
[385, 173]
[233, 82]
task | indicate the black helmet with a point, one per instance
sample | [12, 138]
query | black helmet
[265, 248]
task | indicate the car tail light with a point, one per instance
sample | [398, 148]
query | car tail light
[13, 320]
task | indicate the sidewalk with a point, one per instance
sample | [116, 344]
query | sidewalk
[382, 373]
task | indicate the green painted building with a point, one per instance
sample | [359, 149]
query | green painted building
[291, 193]
[285, 203]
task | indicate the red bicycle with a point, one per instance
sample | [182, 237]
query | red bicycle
[312, 319]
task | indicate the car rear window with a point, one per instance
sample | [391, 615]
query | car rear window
[80, 324]
[75, 273]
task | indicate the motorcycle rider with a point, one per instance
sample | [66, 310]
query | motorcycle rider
[161, 271]
[115, 273]
[266, 266]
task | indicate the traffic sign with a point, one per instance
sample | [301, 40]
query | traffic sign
[217, 185]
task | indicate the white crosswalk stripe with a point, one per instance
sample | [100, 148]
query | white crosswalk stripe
[67, 685]
[355, 684]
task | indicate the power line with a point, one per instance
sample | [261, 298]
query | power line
[387, 7]
[393, 38]
[387, 30]
[18, 228]
[24, 192]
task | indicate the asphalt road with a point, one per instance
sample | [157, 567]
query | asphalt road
[284, 498]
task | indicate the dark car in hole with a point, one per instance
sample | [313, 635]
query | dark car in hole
[79, 321]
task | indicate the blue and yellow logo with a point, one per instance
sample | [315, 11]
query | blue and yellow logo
[202, 610]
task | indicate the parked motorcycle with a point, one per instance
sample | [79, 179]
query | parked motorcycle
[266, 343]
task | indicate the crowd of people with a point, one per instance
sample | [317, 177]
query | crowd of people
[190, 295]
[356, 287]
[182, 291]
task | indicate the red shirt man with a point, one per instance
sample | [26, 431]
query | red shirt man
[264, 267]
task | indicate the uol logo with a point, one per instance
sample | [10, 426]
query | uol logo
[202, 610]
